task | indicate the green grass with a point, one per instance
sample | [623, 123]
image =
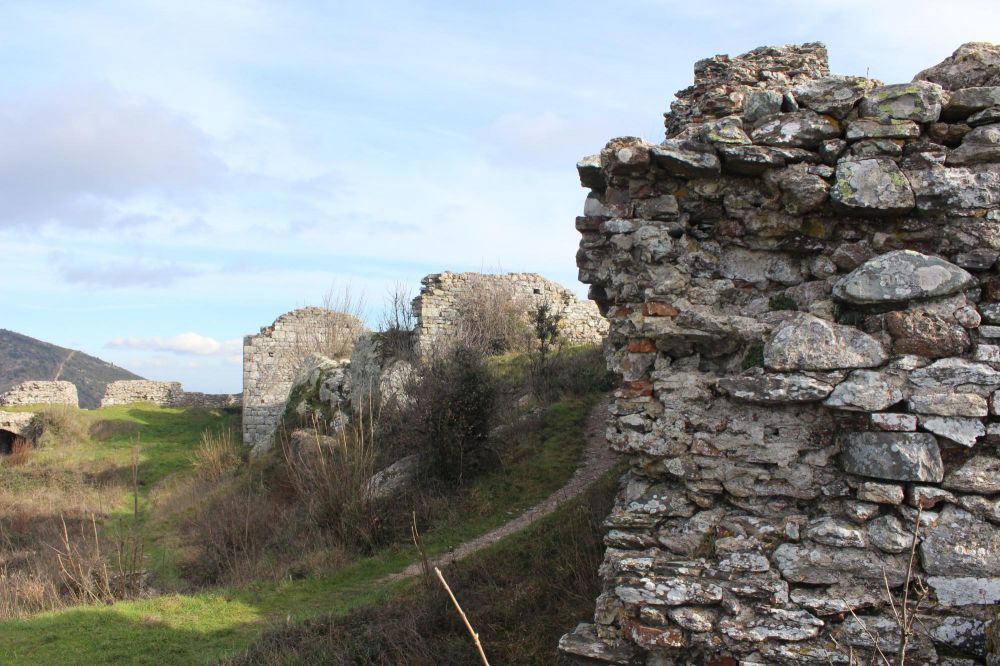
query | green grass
[202, 627]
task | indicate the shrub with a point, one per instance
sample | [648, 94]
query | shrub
[782, 302]
[572, 371]
[217, 455]
[449, 416]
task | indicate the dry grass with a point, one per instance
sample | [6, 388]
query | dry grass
[219, 455]
[493, 318]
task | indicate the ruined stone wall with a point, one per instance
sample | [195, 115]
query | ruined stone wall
[272, 359]
[15, 422]
[804, 301]
[164, 394]
[41, 393]
[437, 307]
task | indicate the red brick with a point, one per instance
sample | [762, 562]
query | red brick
[642, 346]
[659, 310]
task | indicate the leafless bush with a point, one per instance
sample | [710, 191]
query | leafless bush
[217, 455]
[341, 329]
[396, 330]
[492, 317]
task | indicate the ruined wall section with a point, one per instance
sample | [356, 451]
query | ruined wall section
[41, 393]
[437, 307]
[272, 359]
[164, 394]
[805, 311]
[15, 422]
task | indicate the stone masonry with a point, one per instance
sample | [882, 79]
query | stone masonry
[272, 359]
[41, 393]
[436, 307]
[164, 394]
[802, 287]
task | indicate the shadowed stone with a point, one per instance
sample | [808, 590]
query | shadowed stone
[897, 456]
[978, 146]
[966, 101]
[899, 276]
[980, 475]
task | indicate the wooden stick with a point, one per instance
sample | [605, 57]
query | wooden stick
[461, 613]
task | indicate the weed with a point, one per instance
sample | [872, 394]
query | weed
[782, 302]
[754, 356]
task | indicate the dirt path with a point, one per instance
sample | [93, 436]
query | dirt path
[63, 365]
[597, 460]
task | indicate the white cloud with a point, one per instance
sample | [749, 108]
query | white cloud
[182, 343]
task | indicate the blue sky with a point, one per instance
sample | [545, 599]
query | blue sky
[174, 174]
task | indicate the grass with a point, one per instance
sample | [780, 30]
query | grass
[203, 626]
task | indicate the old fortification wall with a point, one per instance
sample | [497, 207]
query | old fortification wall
[41, 393]
[437, 307]
[15, 422]
[164, 394]
[273, 358]
[804, 302]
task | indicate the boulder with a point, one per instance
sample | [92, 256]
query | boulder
[919, 101]
[810, 343]
[897, 456]
[726, 131]
[899, 276]
[966, 101]
[973, 64]
[761, 103]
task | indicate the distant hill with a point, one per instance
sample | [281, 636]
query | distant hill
[23, 358]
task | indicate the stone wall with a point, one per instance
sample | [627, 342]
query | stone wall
[437, 307]
[41, 393]
[15, 422]
[804, 301]
[164, 394]
[272, 359]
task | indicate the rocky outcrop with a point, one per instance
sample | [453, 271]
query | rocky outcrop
[803, 304]
[41, 393]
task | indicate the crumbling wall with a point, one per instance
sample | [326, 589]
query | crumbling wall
[164, 394]
[804, 304]
[437, 306]
[272, 359]
[41, 393]
[15, 422]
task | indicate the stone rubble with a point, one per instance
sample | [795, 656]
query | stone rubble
[802, 295]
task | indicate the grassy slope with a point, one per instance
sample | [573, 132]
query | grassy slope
[200, 628]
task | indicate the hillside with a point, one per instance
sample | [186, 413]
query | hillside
[23, 358]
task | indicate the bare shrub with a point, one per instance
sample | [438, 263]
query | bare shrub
[217, 455]
[492, 317]
[341, 329]
[396, 337]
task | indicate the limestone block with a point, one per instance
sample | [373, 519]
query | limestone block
[891, 455]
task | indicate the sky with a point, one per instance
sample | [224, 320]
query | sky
[176, 174]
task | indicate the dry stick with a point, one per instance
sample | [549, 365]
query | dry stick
[425, 563]
[461, 613]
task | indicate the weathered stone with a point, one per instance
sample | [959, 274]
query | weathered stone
[801, 191]
[980, 259]
[677, 160]
[988, 509]
[919, 101]
[985, 117]
[942, 189]
[865, 391]
[591, 175]
[760, 103]
[962, 431]
[663, 207]
[948, 404]
[750, 160]
[728, 131]
[583, 642]
[810, 343]
[947, 134]
[865, 128]
[961, 545]
[836, 599]
[978, 146]
[395, 478]
[653, 637]
[772, 623]
[965, 590]
[775, 388]
[891, 455]
[625, 156]
[669, 591]
[925, 334]
[828, 565]
[963, 634]
[881, 493]
[872, 186]
[834, 532]
[887, 533]
[894, 422]
[693, 618]
[832, 95]
[928, 497]
[971, 65]
[877, 148]
[980, 475]
[901, 275]
[966, 101]
[954, 372]
[802, 129]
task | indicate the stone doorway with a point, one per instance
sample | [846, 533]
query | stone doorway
[10, 442]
